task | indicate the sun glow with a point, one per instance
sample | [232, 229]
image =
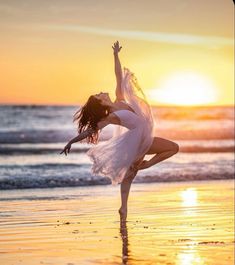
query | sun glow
[189, 197]
[185, 88]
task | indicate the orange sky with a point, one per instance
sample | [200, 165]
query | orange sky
[59, 52]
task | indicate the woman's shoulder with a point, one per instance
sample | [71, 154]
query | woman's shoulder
[122, 104]
[112, 118]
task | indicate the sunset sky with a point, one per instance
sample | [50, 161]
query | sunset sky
[59, 52]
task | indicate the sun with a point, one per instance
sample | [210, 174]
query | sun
[184, 88]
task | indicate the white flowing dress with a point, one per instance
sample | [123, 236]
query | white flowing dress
[131, 140]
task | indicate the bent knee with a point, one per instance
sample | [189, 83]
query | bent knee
[175, 148]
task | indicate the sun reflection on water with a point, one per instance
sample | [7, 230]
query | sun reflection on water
[190, 204]
[189, 197]
[191, 258]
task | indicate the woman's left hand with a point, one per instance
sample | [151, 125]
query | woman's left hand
[66, 149]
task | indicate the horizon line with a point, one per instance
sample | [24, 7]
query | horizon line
[79, 104]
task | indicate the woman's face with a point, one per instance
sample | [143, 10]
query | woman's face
[103, 97]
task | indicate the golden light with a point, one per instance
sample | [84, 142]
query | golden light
[189, 197]
[185, 88]
[189, 259]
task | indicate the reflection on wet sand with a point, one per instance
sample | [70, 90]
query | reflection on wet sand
[188, 223]
[189, 257]
[189, 197]
[124, 237]
[189, 203]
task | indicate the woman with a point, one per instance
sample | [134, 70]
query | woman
[121, 157]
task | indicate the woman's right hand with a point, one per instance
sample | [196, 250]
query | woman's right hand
[66, 149]
[116, 47]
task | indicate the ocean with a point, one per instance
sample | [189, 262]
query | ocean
[32, 136]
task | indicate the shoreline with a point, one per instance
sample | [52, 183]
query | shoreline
[137, 180]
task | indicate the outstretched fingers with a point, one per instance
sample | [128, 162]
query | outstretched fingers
[116, 47]
[66, 150]
[63, 151]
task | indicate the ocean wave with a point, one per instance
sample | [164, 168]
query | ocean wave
[53, 182]
[190, 146]
[195, 113]
[53, 124]
[176, 131]
[207, 149]
[37, 151]
[36, 136]
[70, 175]
[184, 149]
[169, 112]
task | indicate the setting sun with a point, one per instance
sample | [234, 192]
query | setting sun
[185, 88]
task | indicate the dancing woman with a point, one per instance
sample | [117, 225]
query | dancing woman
[122, 156]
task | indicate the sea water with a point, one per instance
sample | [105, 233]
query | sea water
[32, 136]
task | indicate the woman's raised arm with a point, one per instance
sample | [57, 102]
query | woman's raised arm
[118, 70]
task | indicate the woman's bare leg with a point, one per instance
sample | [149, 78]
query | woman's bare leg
[125, 189]
[163, 149]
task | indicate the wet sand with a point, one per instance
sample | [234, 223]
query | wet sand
[182, 223]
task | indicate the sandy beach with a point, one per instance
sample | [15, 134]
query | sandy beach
[168, 223]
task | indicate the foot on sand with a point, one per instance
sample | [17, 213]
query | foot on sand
[123, 214]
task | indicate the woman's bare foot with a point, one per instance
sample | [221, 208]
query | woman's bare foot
[123, 214]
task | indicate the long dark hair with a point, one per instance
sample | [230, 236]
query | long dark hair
[89, 115]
